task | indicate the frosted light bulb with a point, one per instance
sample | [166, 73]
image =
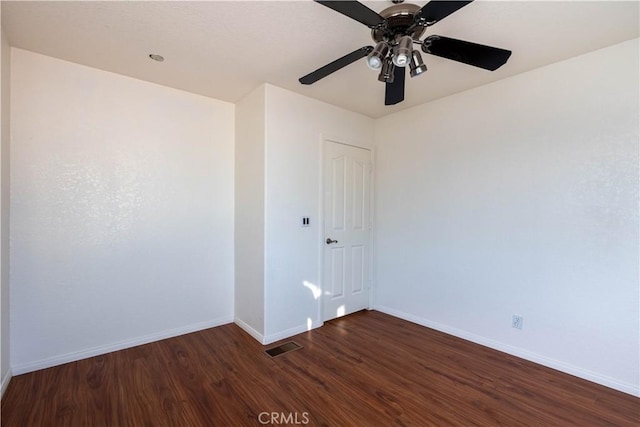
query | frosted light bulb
[374, 62]
[377, 55]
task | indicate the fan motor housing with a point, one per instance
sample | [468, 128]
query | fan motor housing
[400, 18]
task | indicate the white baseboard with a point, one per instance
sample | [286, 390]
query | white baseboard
[268, 339]
[96, 351]
[248, 329]
[271, 338]
[5, 382]
[515, 351]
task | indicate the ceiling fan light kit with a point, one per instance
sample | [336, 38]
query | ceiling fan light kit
[386, 74]
[377, 56]
[416, 67]
[395, 30]
[402, 51]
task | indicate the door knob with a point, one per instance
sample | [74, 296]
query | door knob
[329, 241]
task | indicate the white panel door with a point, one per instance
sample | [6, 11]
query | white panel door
[347, 229]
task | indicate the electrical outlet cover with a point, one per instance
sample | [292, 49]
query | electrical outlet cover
[516, 321]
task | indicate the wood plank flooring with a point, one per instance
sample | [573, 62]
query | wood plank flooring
[367, 369]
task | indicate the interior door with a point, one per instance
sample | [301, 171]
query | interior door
[347, 229]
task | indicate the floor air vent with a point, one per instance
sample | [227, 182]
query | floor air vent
[282, 349]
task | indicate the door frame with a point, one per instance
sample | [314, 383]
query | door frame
[321, 231]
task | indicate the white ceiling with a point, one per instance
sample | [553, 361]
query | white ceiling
[225, 49]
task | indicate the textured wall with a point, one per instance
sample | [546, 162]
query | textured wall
[249, 213]
[122, 200]
[5, 79]
[521, 197]
[295, 126]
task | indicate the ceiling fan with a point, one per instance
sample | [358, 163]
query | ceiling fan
[395, 30]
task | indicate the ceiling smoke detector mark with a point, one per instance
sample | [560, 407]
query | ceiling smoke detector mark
[156, 57]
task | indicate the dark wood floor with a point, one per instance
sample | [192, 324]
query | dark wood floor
[367, 369]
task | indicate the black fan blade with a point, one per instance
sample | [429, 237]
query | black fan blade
[394, 92]
[355, 10]
[334, 66]
[436, 10]
[478, 55]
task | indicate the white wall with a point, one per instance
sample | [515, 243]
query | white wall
[517, 197]
[122, 211]
[295, 126]
[521, 197]
[249, 213]
[5, 72]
